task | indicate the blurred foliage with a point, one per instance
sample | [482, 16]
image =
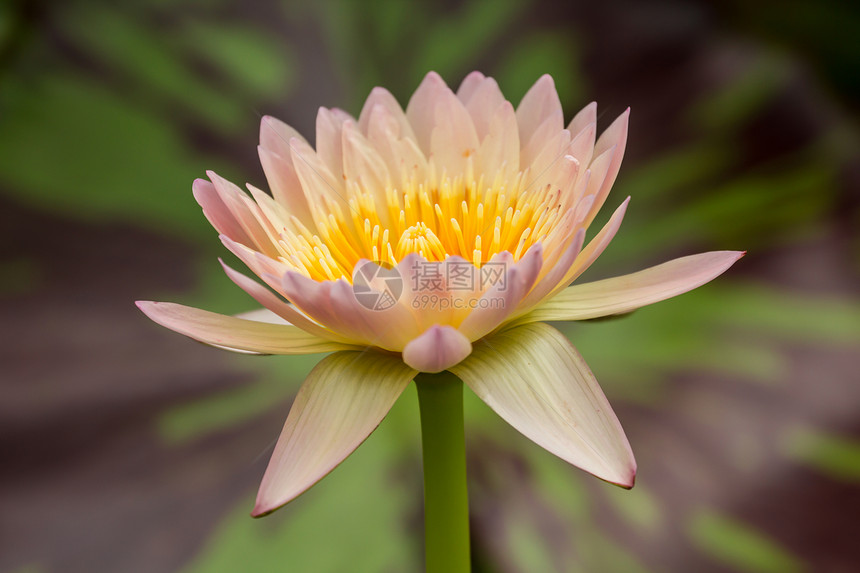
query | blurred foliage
[108, 113]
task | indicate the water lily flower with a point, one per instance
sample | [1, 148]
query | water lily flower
[437, 238]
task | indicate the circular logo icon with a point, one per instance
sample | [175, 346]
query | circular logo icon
[377, 286]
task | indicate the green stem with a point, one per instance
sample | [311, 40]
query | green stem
[446, 506]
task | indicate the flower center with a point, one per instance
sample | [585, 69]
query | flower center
[420, 239]
[437, 218]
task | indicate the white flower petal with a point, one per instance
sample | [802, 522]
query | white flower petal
[629, 292]
[537, 382]
[343, 399]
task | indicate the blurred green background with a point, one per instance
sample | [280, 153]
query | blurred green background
[128, 448]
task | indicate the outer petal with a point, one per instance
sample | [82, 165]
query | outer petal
[236, 333]
[537, 382]
[341, 402]
[629, 292]
[439, 348]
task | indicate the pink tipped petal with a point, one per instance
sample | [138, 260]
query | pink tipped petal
[439, 348]
[362, 163]
[503, 298]
[421, 109]
[582, 145]
[322, 191]
[540, 104]
[615, 136]
[500, 148]
[236, 333]
[380, 97]
[483, 104]
[537, 382]
[469, 85]
[328, 143]
[551, 280]
[246, 213]
[586, 116]
[596, 246]
[275, 135]
[343, 399]
[629, 292]
[285, 185]
[454, 139]
[217, 212]
[280, 308]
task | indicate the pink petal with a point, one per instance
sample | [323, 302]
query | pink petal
[421, 109]
[469, 85]
[437, 349]
[629, 292]
[454, 139]
[483, 104]
[275, 135]
[540, 104]
[596, 246]
[500, 148]
[266, 298]
[586, 116]
[549, 282]
[329, 144]
[400, 153]
[218, 214]
[343, 399]
[503, 298]
[285, 185]
[614, 136]
[536, 381]
[383, 98]
[236, 333]
[362, 163]
[322, 189]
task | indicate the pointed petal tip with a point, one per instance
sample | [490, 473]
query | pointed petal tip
[629, 482]
[262, 509]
